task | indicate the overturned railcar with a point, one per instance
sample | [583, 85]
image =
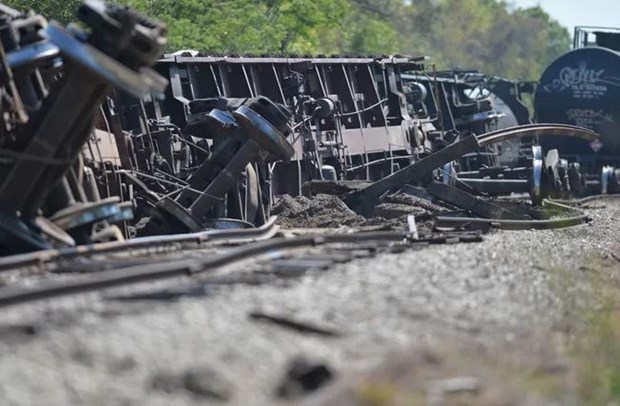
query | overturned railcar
[582, 87]
[355, 117]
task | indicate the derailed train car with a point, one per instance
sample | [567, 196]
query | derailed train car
[356, 117]
[317, 118]
[227, 136]
[582, 87]
[97, 148]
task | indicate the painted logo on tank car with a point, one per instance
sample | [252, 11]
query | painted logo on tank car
[583, 82]
[581, 75]
[582, 88]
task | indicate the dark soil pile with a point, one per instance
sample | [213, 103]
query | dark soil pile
[328, 211]
[323, 211]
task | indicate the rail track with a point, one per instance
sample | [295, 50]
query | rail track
[168, 242]
[98, 267]
[177, 266]
[235, 247]
[536, 130]
[574, 218]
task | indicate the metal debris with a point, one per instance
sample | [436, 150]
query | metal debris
[289, 323]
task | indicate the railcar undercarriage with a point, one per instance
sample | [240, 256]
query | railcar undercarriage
[109, 147]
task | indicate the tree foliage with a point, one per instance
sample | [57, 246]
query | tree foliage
[484, 34]
[469, 34]
[61, 10]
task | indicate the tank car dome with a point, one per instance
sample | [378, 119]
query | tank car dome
[582, 88]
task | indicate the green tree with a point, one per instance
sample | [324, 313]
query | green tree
[485, 35]
[245, 26]
[476, 34]
[61, 10]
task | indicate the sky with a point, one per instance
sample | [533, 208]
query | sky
[570, 13]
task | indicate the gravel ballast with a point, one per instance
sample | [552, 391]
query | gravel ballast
[207, 350]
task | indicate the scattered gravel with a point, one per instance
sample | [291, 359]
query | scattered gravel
[207, 350]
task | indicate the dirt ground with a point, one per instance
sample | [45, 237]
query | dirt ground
[522, 318]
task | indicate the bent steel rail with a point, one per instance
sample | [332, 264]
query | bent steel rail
[537, 130]
[267, 231]
[14, 295]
